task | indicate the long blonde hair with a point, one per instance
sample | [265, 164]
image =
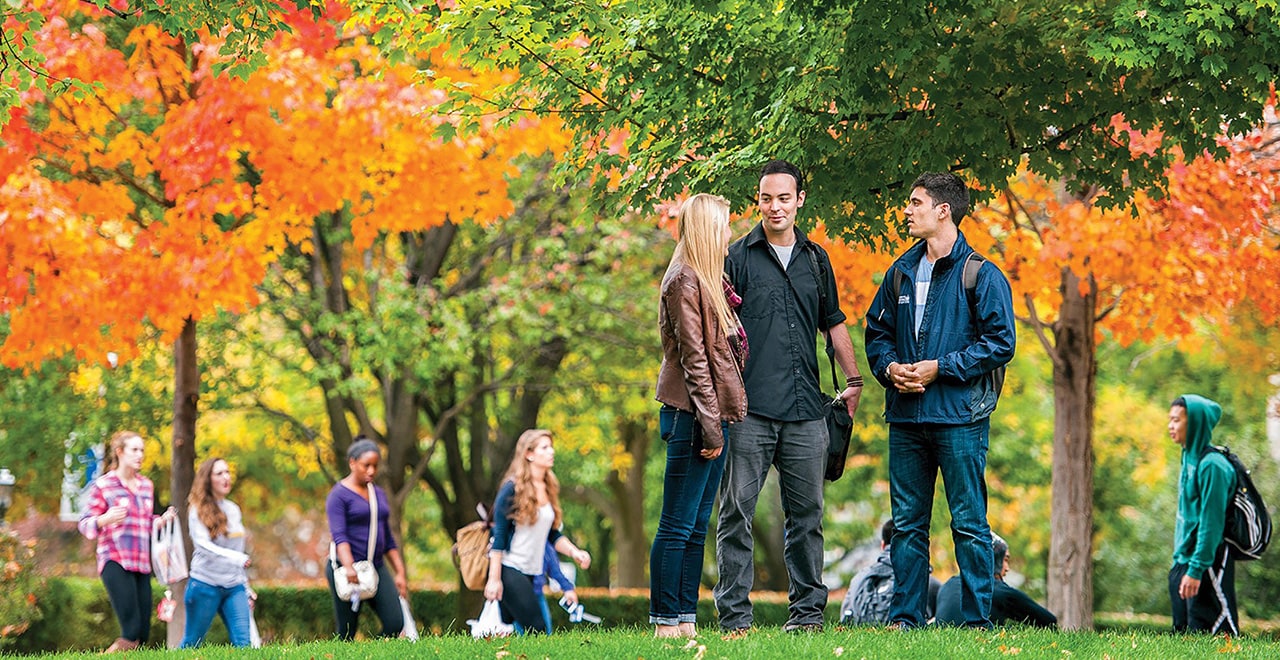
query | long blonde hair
[703, 219]
[524, 508]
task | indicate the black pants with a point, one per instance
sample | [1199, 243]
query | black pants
[386, 603]
[520, 604]
[1213, 608]
[130, 596]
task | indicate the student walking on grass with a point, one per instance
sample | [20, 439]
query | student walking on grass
[351, 512]
[218, 584]
[1202, 581]
[526, 517]
[119, 516]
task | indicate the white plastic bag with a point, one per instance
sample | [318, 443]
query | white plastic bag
[410, 626]
[490, 622]
[168, 552]
[255, 637]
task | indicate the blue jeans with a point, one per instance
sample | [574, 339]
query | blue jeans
[688, 492]
[917, 452]
[799, 451]
[205, 600]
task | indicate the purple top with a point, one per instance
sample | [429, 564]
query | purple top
[349, 522]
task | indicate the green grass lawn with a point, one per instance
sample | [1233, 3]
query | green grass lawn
[852, 643]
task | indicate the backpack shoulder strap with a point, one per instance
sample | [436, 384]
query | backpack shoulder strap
[818, 273]
[972, 264]
[898, 279]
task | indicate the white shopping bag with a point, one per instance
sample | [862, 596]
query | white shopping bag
[490, 622]
[168, 552]
[410, 626]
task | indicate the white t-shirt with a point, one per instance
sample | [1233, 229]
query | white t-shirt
[529, 543]
[924, 277]
[784, 253]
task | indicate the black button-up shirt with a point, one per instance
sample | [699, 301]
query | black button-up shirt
[780, 312]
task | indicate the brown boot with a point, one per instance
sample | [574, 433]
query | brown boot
[121, 644]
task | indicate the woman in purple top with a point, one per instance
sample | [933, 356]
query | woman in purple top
[348, 510]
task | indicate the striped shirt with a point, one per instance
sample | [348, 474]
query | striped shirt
[127, 543]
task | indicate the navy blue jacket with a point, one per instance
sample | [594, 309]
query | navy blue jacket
[967, 347]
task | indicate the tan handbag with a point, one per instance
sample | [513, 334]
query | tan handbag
[366, 573]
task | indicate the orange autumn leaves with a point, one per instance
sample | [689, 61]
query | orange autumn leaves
[167, 192]
[1211, 242]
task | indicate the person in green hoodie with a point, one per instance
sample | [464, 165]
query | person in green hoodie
[1202, 582]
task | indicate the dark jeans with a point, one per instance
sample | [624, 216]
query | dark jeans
[386, 603]
[917, 452]
[203, 601]
[799, 451]
[688, 492]
[519, 604]
[1213, 608]
[130, 596]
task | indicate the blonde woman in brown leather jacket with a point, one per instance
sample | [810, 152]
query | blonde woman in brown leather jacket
[700, 387]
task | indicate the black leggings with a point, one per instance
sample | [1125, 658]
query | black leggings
[130, 596]
[386, 603]
[520, 604]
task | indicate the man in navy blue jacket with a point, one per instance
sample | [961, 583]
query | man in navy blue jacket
[937, 343]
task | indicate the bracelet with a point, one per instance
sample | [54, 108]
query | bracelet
[853, 381]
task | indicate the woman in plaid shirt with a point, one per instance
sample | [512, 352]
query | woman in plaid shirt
[119, 515]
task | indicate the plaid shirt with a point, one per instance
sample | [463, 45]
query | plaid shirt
[128, 543]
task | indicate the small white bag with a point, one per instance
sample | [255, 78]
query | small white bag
[490, 622]
[366, 574]
[168, 552]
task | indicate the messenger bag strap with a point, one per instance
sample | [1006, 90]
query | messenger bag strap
[373, 523]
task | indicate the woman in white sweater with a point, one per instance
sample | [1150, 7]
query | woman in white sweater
[218, 583]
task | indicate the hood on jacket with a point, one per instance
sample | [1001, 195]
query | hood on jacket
[1202, 415]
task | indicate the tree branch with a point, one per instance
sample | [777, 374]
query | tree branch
[307, 432]
[1038, 326]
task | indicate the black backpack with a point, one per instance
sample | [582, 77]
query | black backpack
[972, 264]
[871, 600]
[1248, 524]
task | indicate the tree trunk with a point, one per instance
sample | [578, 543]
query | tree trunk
[186, 392]
[1070, 577]
[627, 488]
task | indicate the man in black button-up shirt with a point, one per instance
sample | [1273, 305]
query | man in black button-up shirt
[778, 272]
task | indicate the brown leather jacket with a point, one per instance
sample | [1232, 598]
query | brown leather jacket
[698, 373]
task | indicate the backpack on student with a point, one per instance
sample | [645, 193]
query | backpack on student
[870, 599]
[972, 264]
[471, 552]
[1248, 523]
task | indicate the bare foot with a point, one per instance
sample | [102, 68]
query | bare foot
[689, 630]
[667, 631]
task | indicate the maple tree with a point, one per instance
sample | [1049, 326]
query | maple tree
[132, 212]
[1148, 270]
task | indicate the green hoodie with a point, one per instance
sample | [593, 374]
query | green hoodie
[1204, 488]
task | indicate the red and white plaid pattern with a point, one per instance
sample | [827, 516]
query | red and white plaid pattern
[127, 543]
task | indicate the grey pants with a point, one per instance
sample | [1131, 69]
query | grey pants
[798, 450]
